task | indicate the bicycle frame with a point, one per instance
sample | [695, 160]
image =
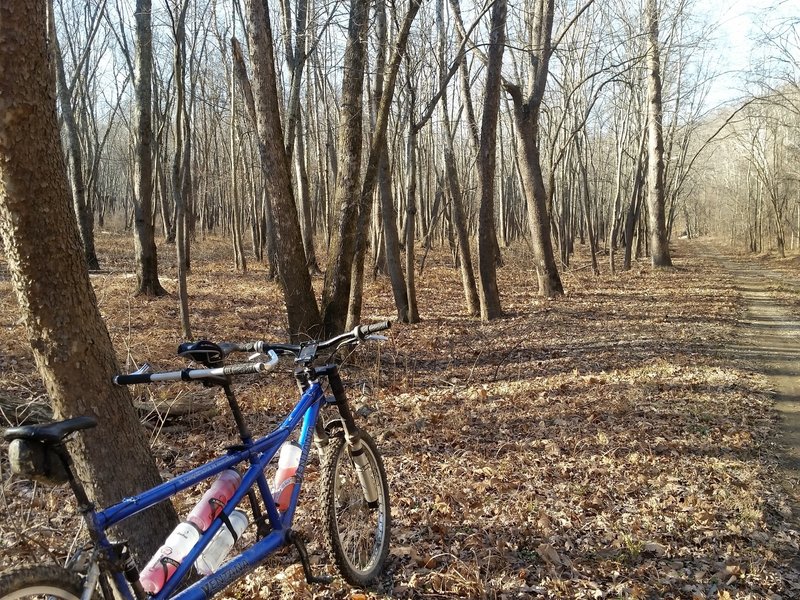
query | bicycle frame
[259, 453]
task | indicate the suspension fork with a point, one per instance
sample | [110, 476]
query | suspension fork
[366, 476]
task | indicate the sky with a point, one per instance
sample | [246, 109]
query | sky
[739, 27]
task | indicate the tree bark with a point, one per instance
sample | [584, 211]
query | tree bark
[144, 235]
[659, 245]
[526, 119]
[70, 342]
[301, 307]
[341, 252]
[487, 158]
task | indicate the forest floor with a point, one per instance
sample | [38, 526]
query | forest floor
[623, 441]
[769, 339]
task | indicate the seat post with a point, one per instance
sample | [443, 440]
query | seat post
[244, 430]
[84, 505]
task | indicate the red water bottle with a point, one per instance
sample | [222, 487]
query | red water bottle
[169, 557]
[214, 499]
[288, 461]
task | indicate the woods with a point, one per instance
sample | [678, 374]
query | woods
[502, 176]
[317, 148]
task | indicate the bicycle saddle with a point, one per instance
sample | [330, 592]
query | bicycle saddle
[49, 432]
[204, 352]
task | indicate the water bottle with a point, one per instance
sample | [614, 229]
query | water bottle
[168, 558]
[214, 499]
[211, 558]
[288, 461]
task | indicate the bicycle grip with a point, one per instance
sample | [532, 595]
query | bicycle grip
[243, 368]
[133, 378]
[365, 330]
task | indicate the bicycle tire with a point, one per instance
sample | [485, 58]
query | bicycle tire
[46, 581]
[357, 536]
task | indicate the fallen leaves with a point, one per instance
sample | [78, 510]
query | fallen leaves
[583, 448]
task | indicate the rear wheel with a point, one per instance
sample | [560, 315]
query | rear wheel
[357, 533]
[49, 582]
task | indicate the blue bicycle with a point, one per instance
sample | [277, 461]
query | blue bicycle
[354, 499]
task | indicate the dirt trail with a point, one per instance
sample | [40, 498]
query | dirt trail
[769, 340]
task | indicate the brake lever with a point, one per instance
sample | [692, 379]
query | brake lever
[376, 337]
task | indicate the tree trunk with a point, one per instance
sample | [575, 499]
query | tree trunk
[179, 173]
[459, 219]
[240, 261]
[487, 158]
[83, 210]
[659, 245]
[616, 212]
[301, 306]
[391, 237]
[295, 62]
[383, 95]
[144, 235]
[163, 197]
[536, 198]
[336, 292]
[526, 119]
[411, 212]
[582, 160]
[306, 223]
[70, 342]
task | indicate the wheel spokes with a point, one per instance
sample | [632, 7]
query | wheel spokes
[358, 524]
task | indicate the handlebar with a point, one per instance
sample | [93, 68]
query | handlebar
[357, 334]
[143, 376]
[305, 352]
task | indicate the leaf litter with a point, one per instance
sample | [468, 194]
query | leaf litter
[600, 445]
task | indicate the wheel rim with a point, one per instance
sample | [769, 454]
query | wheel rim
[361, 529]
[41, 592]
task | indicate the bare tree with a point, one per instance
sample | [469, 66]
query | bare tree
[454, 186]
[180, 164]
[659, 244]
[336, 293]
[144, 237]
[405, 300]
[487, 157]
[74, 152]
[301, 306]
[69, 340]
[527, 110]
[295, 57]
[386, 196]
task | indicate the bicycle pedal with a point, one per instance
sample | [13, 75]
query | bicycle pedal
[299, 543]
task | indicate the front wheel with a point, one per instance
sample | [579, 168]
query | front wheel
[357, 532]
[49, 582]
